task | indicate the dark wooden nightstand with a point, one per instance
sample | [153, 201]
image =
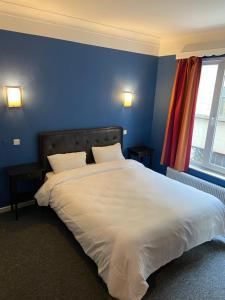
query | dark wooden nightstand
[24, 181]
[141, 153]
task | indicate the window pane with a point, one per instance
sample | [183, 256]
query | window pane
[203, 108]
[218, 152]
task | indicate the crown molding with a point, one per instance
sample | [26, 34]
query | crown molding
[40, 22]
[205, 43]
[29, 20]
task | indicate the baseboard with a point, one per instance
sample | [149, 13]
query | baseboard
[22, 204]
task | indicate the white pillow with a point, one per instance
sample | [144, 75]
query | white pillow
[107, 153]
[67, 161]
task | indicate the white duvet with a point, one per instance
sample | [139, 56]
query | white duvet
[131, 220]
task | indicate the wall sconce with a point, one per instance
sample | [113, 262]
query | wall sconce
[14, 96]
[127, 99]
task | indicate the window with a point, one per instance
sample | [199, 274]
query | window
[208, 141]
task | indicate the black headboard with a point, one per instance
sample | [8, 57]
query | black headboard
[66, 141]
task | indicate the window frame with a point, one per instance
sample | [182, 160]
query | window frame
[213, 118]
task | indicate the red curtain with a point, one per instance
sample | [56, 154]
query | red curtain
[180, 122]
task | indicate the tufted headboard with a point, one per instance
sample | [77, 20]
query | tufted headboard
[65, 141]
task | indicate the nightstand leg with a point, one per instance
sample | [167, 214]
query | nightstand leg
[16, 211]
[141, 158]
[151, 160]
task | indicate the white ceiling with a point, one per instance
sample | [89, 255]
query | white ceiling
[144, 21]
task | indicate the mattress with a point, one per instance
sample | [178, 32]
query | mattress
[131, 220]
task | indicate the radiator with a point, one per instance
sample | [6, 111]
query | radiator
[197, 183]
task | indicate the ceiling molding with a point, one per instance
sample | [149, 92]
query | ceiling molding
[199, 44]
[41, 22]
[34, 21]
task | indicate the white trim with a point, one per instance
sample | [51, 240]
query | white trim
[210, 172]
[201, 53]
[22, 204]
[213, 118]
[204, 43]
[213, 112]
[25, 19]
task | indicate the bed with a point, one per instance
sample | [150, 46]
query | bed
[129, 219]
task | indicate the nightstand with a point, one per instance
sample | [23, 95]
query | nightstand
[24, 181]
[141, 153]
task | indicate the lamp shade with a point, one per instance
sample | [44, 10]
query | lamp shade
[127, 99]
[14, 96]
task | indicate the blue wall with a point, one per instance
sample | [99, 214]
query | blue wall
[165, 79]
[69, 85]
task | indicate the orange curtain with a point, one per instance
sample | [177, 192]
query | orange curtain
[180, 122]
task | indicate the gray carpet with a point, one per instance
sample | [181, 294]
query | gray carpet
[40, 259]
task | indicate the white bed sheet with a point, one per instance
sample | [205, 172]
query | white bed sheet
[48, 175]
[131, 220]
